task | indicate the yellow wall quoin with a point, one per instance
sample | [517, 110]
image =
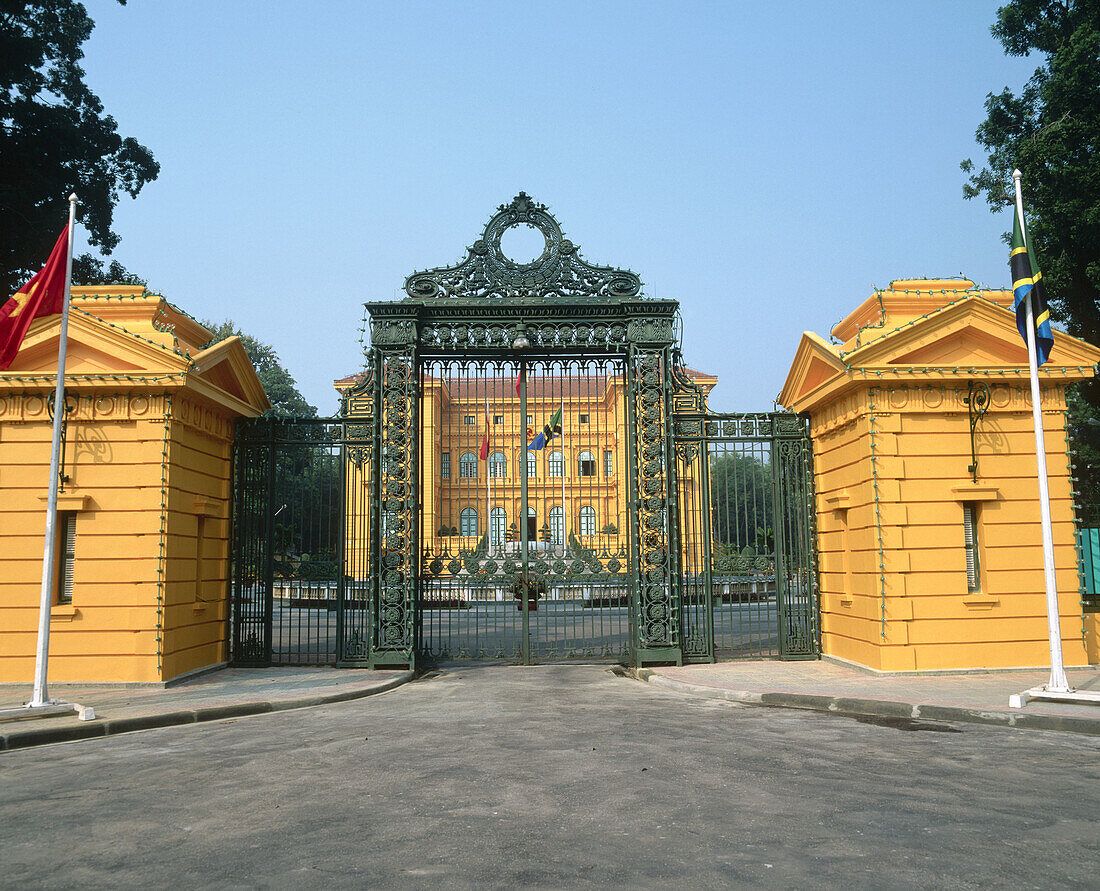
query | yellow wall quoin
[899, 514]
[147, 461]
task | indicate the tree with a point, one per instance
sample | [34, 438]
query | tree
[281, 389]
[740, 504]
[55, 138]
[88, 270]
[1051, 132]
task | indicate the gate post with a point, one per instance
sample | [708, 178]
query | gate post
[393, 577]
[656, 635]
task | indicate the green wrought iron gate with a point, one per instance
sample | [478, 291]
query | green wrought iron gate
[744, 507]
[420, 526]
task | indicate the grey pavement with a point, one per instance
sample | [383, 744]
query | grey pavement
[973, 697]
[555, 776]
[230, 692]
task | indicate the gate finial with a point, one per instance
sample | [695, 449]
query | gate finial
[559, 272]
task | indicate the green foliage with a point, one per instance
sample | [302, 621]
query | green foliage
[609, 529]
[740, 502]
[1051, 132]
[281, 389]
[578, 550]
[55, 138]
[89, 270]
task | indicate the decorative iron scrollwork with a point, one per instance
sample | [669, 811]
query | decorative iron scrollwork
[559, 272]
[977, 404]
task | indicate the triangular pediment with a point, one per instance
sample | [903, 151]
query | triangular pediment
[94, 347]
[970, 333]
[226, 367]
[816, 362]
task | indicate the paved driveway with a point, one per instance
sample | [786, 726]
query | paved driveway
[552, 776]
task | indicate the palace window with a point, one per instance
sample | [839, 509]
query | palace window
[608, 463]
[556, 531]
[445, 465]
[467, 466]
[498, 419]
[532, 463]
[530, 420]
[556, 463]
[587, 523]
[586, 464]
[469, 420]
[582, 419]
[498, 465]
[467, 522]
[498, 526]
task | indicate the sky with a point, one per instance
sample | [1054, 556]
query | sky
[766, 164]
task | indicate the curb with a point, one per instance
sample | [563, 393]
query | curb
[876, 707]
[93, 729]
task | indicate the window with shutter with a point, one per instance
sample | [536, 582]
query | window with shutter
[970, 540]
[67, 555]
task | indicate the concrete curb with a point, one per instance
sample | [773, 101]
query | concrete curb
[41, 736]
[876, 707]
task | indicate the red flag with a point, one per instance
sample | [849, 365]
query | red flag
[484, 453]
[43, 295]
[519, 378]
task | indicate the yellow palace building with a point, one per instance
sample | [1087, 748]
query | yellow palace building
[576, 482]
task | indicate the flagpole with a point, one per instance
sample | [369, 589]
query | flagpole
[42, 655]
[1058, 682]
[564, 462]
[488, 477]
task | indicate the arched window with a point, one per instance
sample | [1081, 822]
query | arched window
[532, 463]
[467, 522]
[498, 526]
[587, 524]
[467, 465]
[557, 534]
[498, 464]
[556, 462]
[586, 464]
[532, 525]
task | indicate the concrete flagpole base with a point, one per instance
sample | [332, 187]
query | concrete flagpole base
[1087, 697]
[47, 710]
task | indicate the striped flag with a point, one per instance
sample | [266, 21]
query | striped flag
[1026, 279]
[548, 432]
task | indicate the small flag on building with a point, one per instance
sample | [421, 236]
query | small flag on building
[548, 432]
[1026, 279]
[483, 453]
[43, 295]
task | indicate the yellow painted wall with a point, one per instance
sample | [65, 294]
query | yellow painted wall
[147, 452]
[892, 448]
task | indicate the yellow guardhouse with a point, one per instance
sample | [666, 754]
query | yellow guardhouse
[928, 530]
[140, 594]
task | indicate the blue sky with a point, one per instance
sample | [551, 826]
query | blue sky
[767, 164]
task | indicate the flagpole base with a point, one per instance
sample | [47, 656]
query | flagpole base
[1084, 697]
[47, 710]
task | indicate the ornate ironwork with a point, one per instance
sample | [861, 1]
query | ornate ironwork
[744, 527]
[558, 272]
[977, 404]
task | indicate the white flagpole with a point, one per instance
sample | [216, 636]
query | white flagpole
[488, 477]
[564, 467]
[1058, 682]
[41, 659]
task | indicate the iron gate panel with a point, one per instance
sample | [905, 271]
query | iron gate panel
[744, 508]
[481, 550]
